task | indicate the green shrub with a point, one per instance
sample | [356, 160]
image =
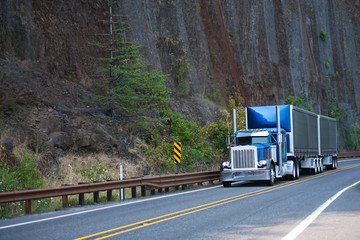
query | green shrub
[327, 62]
[323, 35]
[21, 175]
[334, 110]
[299, 101]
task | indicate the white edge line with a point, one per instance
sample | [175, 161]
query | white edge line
[103, 208]
[305, 223]
[349, 160]
[129, 203]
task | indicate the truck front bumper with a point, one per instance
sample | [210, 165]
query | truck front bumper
[234, 175]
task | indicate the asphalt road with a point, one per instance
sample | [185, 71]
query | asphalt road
[244, 211]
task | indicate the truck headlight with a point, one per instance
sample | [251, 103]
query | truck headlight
[226, 164]
[263, 163]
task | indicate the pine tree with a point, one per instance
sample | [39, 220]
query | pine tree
[128, 83]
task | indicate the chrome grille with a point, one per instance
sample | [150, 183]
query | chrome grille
[243, 158]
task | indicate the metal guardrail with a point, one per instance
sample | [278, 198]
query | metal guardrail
[348, 154]
[159, 182]
[154, 182]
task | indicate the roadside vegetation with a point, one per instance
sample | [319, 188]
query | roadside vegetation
[17, 173]
[131, 90]
[130, 87]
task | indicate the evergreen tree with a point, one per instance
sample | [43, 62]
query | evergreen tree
[127, 83]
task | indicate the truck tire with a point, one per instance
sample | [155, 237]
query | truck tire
[272, 173]
[321, 166]
[332, 166]
[226, 184]
[314, 170]
[293, 175]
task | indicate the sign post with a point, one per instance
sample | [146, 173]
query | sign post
[177, 155]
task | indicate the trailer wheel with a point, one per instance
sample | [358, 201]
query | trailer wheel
[271, 181]
[332, 164]
[226, 184]
[314, 170]
[329, 167]
[321, 166]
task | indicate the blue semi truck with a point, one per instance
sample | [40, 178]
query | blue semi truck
[278, 142]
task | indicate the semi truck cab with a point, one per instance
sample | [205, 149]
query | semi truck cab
[256, 154]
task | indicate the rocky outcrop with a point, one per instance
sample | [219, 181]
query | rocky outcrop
[210, 50]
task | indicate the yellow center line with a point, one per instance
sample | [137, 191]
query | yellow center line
[170, 216]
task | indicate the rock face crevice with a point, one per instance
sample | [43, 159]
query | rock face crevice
[209, 49]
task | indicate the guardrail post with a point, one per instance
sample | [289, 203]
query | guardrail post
[28, 206]
[96, 194]
[65, 201]
[82, 197]
[143, 191]
[133, 192]
[109, 192]
[96, 197]
[65, 198]
[109, 195]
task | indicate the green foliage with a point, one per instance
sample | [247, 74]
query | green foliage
[21, 175]
[327, 62]
[203, 148]
[129, 85]
[353, 137]
[298, 101]
[127, 82]
[197, 153]
[182, 73]
[334, 110]
[219, 130]
[323, 35]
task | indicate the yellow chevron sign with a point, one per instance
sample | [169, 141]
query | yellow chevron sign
[177, 152]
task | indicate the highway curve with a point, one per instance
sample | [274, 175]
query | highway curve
[247, 210]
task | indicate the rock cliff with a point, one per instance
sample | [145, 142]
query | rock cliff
[263, 50]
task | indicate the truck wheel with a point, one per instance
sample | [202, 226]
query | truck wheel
[321, 166]
[226, 184]
[314, 170]
[329, 167]
[293, 175]
[335, 163]
[332, 166]
[271, 181]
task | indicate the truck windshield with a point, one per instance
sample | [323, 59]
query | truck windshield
[251, 140]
